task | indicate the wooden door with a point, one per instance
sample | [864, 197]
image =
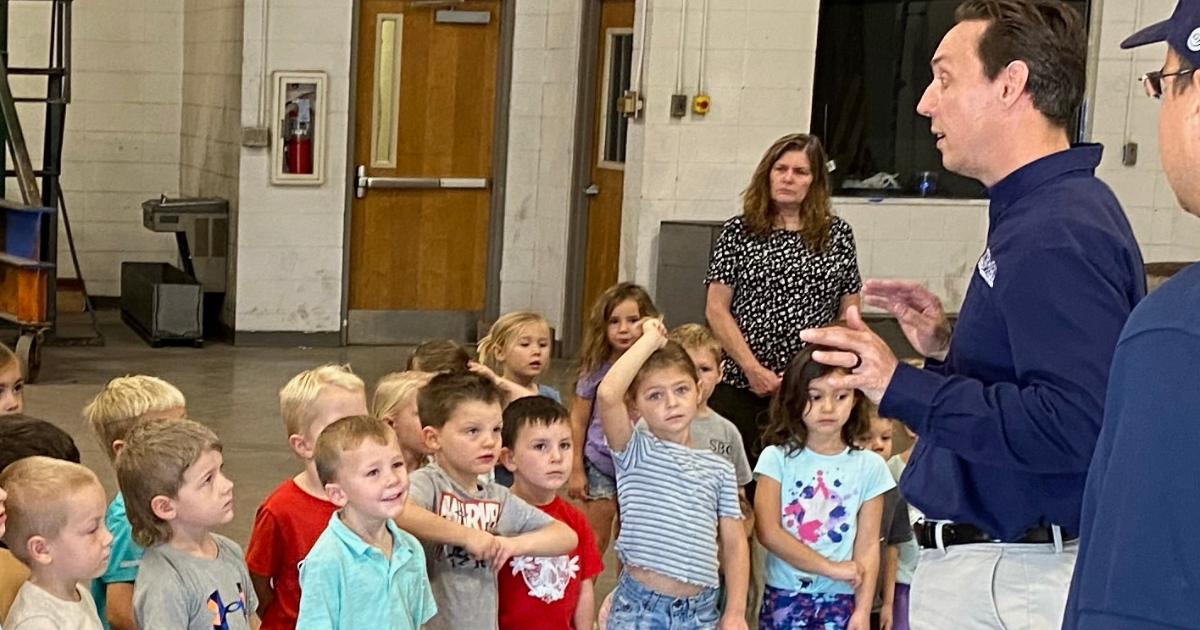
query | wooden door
[614, 66]
[425, 107]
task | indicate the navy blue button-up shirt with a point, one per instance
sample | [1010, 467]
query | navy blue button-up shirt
[1009, 421]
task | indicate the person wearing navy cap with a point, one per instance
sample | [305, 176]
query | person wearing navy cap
[1009, 405]
[1139, 560]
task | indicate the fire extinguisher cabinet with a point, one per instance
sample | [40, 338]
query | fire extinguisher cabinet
[298, 142]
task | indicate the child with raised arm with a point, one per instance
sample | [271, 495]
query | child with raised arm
[675, 499]
[818, 505]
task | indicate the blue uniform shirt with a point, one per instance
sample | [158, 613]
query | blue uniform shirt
[1008, 422]
[1137, 566]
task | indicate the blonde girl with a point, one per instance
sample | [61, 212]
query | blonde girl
[516, 351]
[395, 402]
[12, 383]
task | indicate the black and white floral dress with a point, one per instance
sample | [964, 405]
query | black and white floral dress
[781, 287]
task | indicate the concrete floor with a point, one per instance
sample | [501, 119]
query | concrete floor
[234, 390]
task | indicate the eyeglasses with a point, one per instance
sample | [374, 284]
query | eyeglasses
[1154, 84]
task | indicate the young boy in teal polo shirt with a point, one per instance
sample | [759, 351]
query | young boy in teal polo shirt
[363, 571]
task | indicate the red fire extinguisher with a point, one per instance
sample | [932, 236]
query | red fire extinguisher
[297, 143]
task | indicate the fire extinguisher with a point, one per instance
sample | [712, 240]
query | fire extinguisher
[297, 142]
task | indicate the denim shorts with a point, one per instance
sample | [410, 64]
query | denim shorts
[599, 484]
[636, 607]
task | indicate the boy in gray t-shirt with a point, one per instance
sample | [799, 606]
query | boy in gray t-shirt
[468, 527]
[169, 471]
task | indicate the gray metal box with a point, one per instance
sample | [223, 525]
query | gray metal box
[684, 249]
[162, 303]
[201, 225]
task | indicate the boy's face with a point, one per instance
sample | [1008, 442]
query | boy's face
[541, 456]
[527, 355]
[332, 404]
[469, 442]
[371, 480]
[708, 368]
[206, 496]
[12, 390]
[81, 548]
[878, 438]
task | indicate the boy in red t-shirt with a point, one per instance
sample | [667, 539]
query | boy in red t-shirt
[546, 593]
[291, 519]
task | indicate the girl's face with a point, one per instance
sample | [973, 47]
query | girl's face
[12, 386]
[622, 329]
[878, 437]
[407, 424]
[528, 353]
[828, 408]
[667, 399]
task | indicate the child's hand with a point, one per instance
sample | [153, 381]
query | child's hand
[506, 548]
[731, 621]
[860, 620]
[577, 484]
[481, 545]
[885, 616]
[654, 328]
[482, 370]
[847, 571]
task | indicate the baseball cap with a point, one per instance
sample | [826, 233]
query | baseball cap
[1181, 31]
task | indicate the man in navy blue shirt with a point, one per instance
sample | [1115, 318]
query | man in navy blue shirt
[1009, 405]
[1139, 558]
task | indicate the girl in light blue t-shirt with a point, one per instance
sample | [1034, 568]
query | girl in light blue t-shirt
[818, 504]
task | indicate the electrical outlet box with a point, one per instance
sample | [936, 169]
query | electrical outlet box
[679, 105]
[1129, 153]
[256, 136]
[630, 104]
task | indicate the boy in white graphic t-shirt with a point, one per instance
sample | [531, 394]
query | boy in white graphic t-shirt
[548, 593]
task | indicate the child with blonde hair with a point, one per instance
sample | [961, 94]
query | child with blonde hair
[12, 383]
[55, 526]
[176, 493]
[124, 402]
[395, 402]
[612, 328]
[292, 517]
[515, 352]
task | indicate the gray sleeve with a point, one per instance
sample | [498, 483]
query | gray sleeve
[162, 600]
[900, 530]
[518, 517]
[421, 488]
[741, 464]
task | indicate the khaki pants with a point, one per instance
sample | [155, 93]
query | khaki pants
[992, 587]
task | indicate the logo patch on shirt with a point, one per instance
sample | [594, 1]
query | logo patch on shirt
[547, 578]
[987, 267]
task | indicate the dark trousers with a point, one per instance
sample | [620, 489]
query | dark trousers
[748, 412]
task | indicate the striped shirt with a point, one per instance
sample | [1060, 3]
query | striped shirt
[671, 498]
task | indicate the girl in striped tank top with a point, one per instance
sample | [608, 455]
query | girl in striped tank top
[674, 499]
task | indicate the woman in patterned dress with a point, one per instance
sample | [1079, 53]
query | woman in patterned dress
[784, 265]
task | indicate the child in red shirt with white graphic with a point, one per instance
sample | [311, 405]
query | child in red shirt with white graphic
[546, 593]
[290, 520]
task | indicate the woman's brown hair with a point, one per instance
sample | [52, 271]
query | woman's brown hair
[596, 348]
[759, 211]
[785, 419]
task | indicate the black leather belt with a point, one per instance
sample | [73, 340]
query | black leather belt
[967, 534]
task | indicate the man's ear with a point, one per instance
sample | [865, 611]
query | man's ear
[163, 507]
[38, 549]
[1013, 79]
[336, 494]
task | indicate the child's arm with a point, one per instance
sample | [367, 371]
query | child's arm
[255, 622]
[747, 512]
[581, 413]
[780, 542]
[735, 559]
[555, 539]
[614, 415]
[512, 390]
[866, 554]
[585, 609]
[262, 587]
[430, 527]
[118, 609]
[891, 562]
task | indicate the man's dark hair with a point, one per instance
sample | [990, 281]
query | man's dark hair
[523, 412]
[1180, 84]
[22, 436]
[437, 401]
[1049, 36]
